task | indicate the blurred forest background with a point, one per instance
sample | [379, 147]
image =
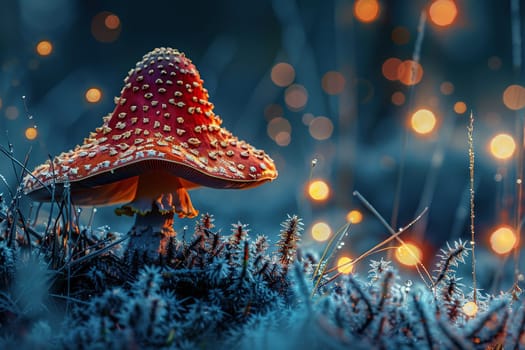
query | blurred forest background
[364, 95]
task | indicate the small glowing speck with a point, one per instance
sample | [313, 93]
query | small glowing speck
[31, 133]
[112, 21]
[460, 107]
[470, 309]
[44, 48]
[354, 216]
[93, 95]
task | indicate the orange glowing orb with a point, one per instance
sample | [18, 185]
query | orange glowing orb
[502, 146]
[31, 133]
[321, 231]
[366, 11]
[318, 190]
[460, 107]
[390, 68]
[93, 95]
[503, 240]
[354, 216]
[112, 21]
[514, 97]
[423, 121]
[333, 82]
[470, 309]
[409, 254]
[443, 12]
[44, 48]
[410, 72]
[344, 265]
[283, 74]
[398, 98]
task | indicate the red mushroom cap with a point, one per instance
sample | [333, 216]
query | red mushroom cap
[162, 122]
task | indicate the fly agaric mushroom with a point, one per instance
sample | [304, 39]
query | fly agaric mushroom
[161, 140]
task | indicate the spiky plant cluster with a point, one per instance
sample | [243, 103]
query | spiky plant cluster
[72, 289]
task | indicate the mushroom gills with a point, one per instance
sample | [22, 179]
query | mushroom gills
[164, 191]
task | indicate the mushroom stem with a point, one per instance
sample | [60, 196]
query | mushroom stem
[151, 233]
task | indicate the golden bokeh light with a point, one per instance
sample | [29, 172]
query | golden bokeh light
[93, 95]
[31, 133]
[503, 240]
[105, 27]
[409, 72]
[443, 12]
[390, 68]
[321, 128]
[398, 98]
[333, 82]
[112, 21]
[460, 107]
[470, 309]
[502, 146]
[366, 11]
[446, 88]
[514, 97]
[409, 254]
[344, 265]
[278, 125]
[321, 231]
[283, 74]
[296, 97]
[318, 190]
[283, 138]
[400, 36]
[423, 121]
[44, 48]
[354, 216]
